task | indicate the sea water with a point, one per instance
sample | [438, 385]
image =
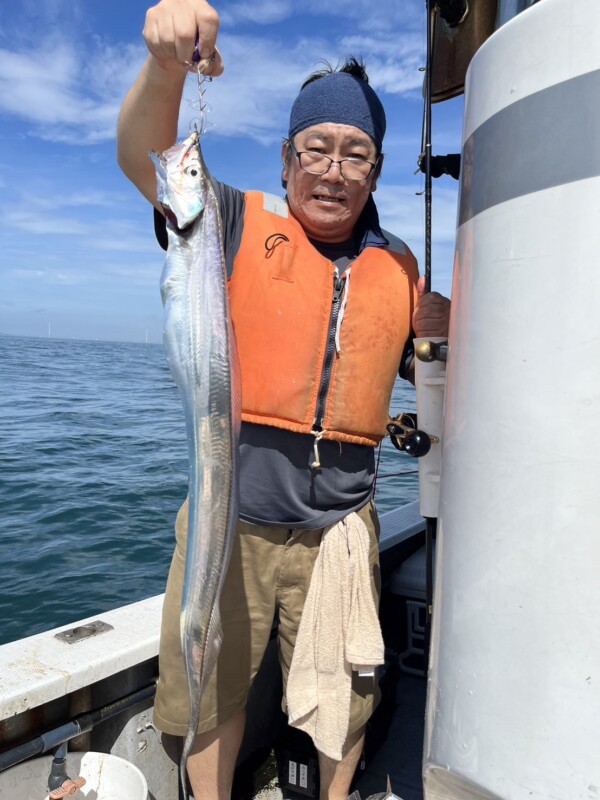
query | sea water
[93, 467]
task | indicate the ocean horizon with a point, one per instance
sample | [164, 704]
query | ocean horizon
[93, 467]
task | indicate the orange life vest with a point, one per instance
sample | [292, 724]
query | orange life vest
[282, 294]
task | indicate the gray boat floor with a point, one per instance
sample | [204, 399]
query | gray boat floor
[400, 755]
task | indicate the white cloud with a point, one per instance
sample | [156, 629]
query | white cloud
[48, 276]
[401, 15]
[246, 101]
[89, 265]
[73, 219]
[52, 199]
[126, 242]
[44, 97]
[269, 12]
[76, 98]
[46, 12]
[69, 278]
[43, 224]
[402, 212]
[147, 275]
[393, 64]
[28, 274]
[328, 18]
[44, 214]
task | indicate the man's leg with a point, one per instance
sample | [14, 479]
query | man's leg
[211, 763]
[336, 776]
[247, 610]
[294, 580]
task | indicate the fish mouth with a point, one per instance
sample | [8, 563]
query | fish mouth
[169, 215]
[181, 215]
[177, 224]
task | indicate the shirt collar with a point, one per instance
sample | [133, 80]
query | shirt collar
[368, 232]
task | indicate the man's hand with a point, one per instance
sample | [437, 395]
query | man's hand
[172, 29]
[432, 315]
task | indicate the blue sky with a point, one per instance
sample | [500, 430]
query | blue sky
[77, 250]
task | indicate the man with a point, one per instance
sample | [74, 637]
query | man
[323, 304]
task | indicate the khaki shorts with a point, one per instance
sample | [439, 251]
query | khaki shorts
[269, 572]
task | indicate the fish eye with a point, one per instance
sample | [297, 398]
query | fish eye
[192, 170]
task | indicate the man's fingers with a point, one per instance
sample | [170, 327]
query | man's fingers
[431, 316]
[212, 66]
[184, 33]
[207, 29]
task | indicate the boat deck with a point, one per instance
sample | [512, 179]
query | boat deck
[400, 754]
[398, 757]
[52, 678]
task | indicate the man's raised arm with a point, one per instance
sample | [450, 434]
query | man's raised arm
[174, 29]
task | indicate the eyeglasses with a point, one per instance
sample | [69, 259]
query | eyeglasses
[351, 169]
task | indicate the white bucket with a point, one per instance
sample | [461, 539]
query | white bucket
[107, 778]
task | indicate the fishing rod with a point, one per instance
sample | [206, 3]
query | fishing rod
[426, 149]
[453, 12]
[430, 522]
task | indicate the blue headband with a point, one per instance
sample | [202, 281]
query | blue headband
[340, 98]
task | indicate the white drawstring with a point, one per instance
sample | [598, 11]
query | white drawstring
[318, 436]
[338, 327]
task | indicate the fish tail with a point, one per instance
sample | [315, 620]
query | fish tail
[213, 640]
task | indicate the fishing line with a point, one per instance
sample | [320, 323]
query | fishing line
[376, 476]
[397, 474]
[200, 123]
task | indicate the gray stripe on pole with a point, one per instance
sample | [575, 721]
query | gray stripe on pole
[550, 138]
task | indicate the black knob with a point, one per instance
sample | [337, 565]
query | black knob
[417, 444]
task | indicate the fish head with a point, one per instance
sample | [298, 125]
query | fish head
[181, 181]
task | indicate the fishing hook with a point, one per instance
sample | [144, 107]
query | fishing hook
[199, 65]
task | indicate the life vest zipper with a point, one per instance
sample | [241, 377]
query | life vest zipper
[338, 288]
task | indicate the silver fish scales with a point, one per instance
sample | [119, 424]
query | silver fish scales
[201, 353]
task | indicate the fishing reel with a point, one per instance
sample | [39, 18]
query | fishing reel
[405, 435]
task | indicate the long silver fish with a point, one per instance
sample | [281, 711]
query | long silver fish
[202, 357]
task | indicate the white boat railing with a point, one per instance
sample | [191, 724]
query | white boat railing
[41, 668]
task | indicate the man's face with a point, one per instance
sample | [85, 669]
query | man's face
[328, 206]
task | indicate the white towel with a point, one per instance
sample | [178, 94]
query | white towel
[339, 631]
